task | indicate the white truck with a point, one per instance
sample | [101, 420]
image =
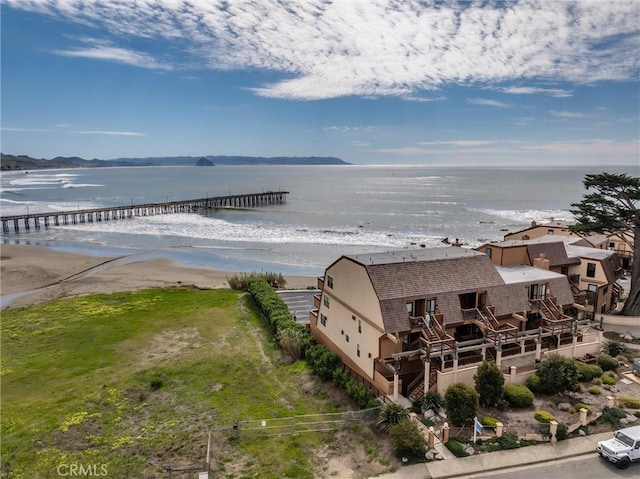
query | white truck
[623, 448]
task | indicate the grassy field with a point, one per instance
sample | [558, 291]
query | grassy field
[131, 383]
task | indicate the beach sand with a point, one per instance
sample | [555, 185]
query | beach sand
[58, 274]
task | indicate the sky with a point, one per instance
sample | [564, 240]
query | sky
[500, 83]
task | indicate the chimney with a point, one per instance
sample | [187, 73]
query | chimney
[534, 224]
[541, 262]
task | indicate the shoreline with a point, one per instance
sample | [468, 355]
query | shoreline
[34, 274]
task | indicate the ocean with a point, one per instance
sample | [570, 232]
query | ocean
[330, 210]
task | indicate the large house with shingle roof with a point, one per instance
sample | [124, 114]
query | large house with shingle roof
[406, 322]
[592, 272]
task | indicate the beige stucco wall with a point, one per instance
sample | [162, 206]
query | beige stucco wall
[353, 314]
[537, 232]
[599, 279]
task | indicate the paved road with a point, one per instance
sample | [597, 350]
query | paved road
[583, 467]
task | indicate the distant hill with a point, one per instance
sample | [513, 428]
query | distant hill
[23, 162]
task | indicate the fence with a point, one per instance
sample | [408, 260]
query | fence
[327, 422]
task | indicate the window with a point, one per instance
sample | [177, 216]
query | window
[564, 270]
[353, 317]
[359, 326]
[323, 320]
[612, 245]
[330, 281]
[488, 252]
[549, 232]
[325, 300]
[358, 350]
[591, 270]
[431, 306]
[347, 338]
[410, 309]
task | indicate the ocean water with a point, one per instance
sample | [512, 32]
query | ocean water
[330, 210]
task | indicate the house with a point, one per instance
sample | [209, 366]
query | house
[592, 272]
[553, 228]
[410, 321]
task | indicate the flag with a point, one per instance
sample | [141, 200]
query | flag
[477, 425]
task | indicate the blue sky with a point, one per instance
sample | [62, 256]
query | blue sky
[542, 82]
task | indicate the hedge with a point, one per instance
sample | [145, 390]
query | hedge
[518, 395]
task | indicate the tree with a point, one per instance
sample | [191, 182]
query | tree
[558, 374]
[489, 382]
[461, 404]
[614, 209]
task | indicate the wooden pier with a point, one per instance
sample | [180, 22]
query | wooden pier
[96, 215]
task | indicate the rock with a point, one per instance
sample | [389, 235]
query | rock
[429, 414]
[564, 406]
[469, 449]
[438, 457]
[581, 432]
[624, 421]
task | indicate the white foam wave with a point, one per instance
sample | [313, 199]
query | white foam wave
[199, 227]
[528, 215]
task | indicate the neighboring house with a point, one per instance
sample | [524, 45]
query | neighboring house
[554, 228]
[592, 272]
[406, 322]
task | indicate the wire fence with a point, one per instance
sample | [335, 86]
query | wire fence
[327, 422]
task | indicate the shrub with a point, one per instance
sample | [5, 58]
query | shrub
[242, 281]
[558, 374]
[587, 372]
[489, 421]
[293, 340]
[578, 406]
[360, 394]
[390, 415]
[607, 379]
[407, 440]
[629, 402]
[614, 348]
[562, 432]
[612, 416]
[456, 447]
[461, 404]
[595, 390]
[489, 383]
[432, 400]
[606, 362]
[518, 395]
[508, 441]
[322, 361]
[533, 383]
[341, 378]
[543, 416]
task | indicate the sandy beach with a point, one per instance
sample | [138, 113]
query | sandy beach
[48, 274]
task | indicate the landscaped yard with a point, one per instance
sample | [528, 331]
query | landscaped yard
[131, 383]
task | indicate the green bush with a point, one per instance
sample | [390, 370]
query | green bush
[612, 416]
[489, 421]
[489, 383]
[558, 374]
[360, 394]
[606, 362]
[508, 441]
[562, 432]
[629, 402]
[533, 383]
[461, 404]
[587, 372]
[578, 406]
[614, 348]
[518, 395]
[241, 282]
[543, 416]
[595, 390]
[607, 379]
[407, 440]
[390, 415]
[456, 447]
[432, 400]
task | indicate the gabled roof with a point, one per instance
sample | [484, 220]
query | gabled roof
[554, 251]
[526, 275]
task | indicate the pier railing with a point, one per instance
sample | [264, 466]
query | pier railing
[107, 213]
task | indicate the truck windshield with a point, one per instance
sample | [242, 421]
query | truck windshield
[624, 439]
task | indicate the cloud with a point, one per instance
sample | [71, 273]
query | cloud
[486, 102]
[107, 132]
[102, 50]
[523, 90]
[463, 143]
[32, 130]
[369, 47]
[599, 148]
[568, 114]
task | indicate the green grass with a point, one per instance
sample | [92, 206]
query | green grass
[135, 380]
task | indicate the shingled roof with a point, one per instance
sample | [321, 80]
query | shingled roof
[443, 272]
[554, 251]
